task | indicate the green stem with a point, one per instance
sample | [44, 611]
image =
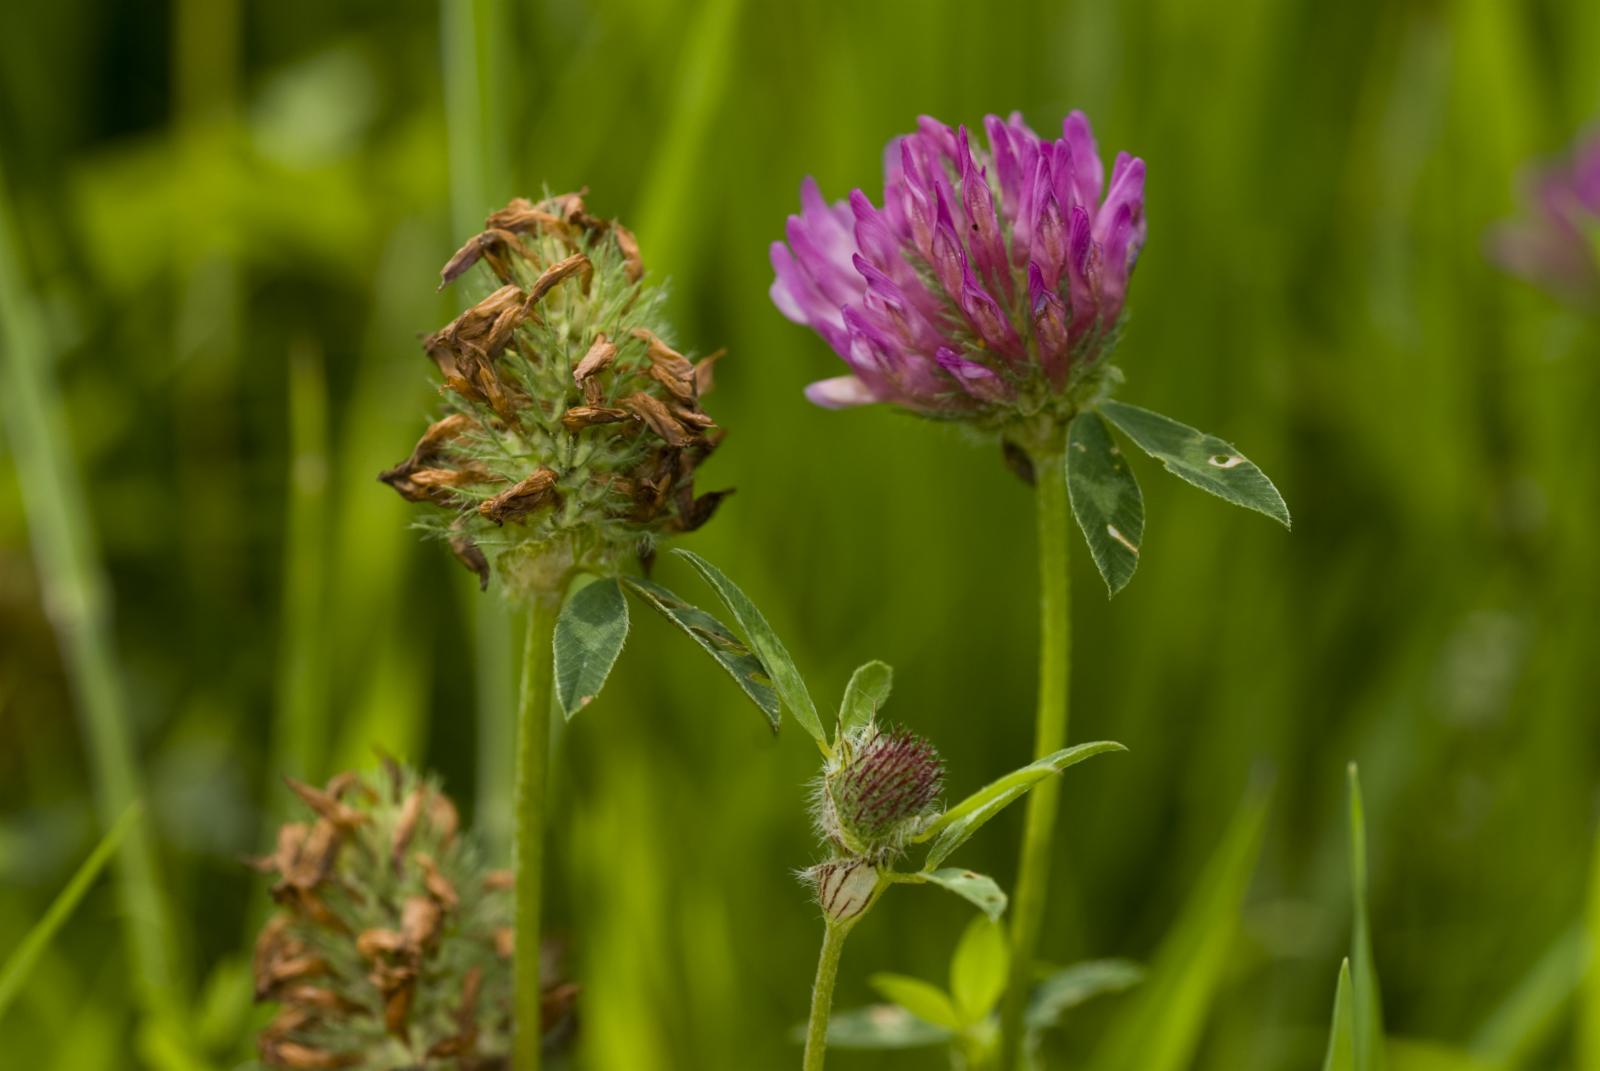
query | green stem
[822, 994]
[1049, 734]
[533, 763]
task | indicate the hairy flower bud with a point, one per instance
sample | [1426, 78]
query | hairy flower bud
[574, 427]
[880, 792]
[844, 887]
[388, 948]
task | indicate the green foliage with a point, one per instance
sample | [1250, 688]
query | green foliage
[589, 636]
[1342, 1034]
[1313, 289]
[956, 825]
[1160, 1030]
[883, 1026]
[1203, 460]
[1366, 1001]
[978, 969]
[979, 889]
[1061, 991]
[786, 679]
[19, 964]
[1105, 499]
[868, 690]
[923, 999]
[715, 639]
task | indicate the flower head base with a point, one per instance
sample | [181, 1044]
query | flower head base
[390, 947]
[989, 286]
[574, 428]
[879, 791]
[1557, 245]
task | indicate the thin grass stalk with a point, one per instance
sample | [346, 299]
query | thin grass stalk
[1050, 734]
[76, 599]
[472, 41]
[18, 966]
[300, 739]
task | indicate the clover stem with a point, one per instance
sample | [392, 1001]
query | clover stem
[1050, 734]
[533, 762]
[822, 992]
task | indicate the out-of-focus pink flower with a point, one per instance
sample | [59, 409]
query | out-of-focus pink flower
[988, 283]
[1557, 242]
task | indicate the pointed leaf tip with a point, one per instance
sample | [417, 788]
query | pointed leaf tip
[1205, 461]
[764, 643]
[714, 638]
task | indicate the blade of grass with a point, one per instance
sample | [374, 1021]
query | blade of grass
[76, 598]
[1588, 1051]
[1529, 1015]
[299, 733]
[1161, 1028]
[705, 63]
[1367, 1000]
[20, 963]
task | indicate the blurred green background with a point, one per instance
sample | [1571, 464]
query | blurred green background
[228, 220]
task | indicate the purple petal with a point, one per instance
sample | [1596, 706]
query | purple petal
[796, 296]
[840, 392]
[982, 383]
[988, 249]
[1088, 172]
[988, 319]
[1050, 326]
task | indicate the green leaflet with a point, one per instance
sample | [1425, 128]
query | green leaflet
[1366, 1001]
[743, 666]
[786, 679]
[882, 1026]
[955, 826]
[1071, 986]
[1342, 1035]
[868, 690]
[979, 889]
[1203, 460]
[978, 969]
[1105, 499]
[1161, 1028]
[923, 999]
[589, 636]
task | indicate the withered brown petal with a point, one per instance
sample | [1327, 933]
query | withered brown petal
[700, 510]
[420, 918]
[522, 498]
[582, 416]
[705, 372]
[600, 355]
[630, 251]
[471, 555]
[555, 273]
[437, 884]
[657, 418]
[299, 1057]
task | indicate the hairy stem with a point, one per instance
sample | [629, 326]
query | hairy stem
[822, 994]
[533, 762]
[1049, 734]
